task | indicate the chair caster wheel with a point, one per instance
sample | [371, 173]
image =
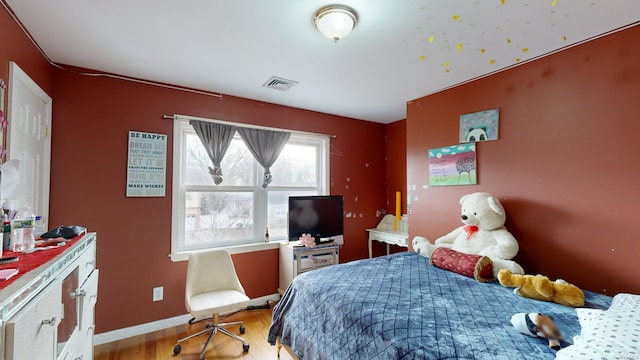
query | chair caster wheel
[177, 349]
[242, 329]
[245, 347]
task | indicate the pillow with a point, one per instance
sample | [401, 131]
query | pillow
[610, 334]
[475, 266]
[587, 317]
[625, 303]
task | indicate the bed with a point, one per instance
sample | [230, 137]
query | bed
[400, 307]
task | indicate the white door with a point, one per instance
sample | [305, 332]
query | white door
[29, 139]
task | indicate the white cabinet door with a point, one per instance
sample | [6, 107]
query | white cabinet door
[29, 139]
[88, 302]
[87, 319]
[31, 333]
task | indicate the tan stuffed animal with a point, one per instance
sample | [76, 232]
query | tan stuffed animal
[541, 288]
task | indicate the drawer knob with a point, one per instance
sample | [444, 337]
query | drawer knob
[51, 321]
[79, 293]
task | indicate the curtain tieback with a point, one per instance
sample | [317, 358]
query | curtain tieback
[216, 174]
[267, 178]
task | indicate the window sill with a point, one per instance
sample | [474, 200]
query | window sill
[239, 249]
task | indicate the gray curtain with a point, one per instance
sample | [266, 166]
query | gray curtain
[216, 138]
[266, 146]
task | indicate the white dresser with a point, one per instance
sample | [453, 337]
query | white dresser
[47, 313]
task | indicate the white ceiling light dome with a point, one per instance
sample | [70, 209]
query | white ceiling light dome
[335, 21]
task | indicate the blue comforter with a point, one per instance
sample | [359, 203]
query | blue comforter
[400, 307]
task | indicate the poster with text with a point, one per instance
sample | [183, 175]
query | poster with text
[146, 165]
[453, 165]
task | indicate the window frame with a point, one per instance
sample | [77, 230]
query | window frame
[179, 250]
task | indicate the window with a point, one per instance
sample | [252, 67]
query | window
[237, 211]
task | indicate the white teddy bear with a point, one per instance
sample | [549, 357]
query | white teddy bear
[483, 233]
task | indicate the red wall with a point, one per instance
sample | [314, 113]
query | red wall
[396, 157]
[396, 177]
[92, 117]
[565, 167]
[91, 120]
[16, 47]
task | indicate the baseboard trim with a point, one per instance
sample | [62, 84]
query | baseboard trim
[119, 334]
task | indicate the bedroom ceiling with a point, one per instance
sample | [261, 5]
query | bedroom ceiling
[398, 51]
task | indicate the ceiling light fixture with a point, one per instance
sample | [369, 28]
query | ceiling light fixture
[335, 21]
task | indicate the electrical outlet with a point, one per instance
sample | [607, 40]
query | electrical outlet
[158, 293]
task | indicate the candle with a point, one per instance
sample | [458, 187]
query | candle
[395, 223]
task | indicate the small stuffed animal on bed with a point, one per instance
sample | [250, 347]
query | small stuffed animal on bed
[538, 325]
[483, 233]
[541, 288]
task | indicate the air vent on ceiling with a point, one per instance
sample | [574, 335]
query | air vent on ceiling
[279, 83]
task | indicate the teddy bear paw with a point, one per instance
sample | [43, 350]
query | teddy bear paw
[422, 246]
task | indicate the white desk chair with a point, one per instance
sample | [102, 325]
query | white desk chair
[213, 288]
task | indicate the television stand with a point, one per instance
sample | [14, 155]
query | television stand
[295, 260]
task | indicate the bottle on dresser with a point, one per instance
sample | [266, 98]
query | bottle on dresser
[22, 226]
[40, 227]
[5, 239]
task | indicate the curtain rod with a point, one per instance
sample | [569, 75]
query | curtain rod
[174, 117]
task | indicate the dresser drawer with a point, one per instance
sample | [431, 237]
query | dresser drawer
[31, 333]
[315, 259]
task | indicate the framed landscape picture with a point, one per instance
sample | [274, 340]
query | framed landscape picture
[453, 165]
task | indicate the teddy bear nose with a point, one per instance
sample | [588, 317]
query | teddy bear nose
[464, 217]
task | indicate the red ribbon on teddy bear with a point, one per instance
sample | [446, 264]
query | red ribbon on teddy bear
[470, 230]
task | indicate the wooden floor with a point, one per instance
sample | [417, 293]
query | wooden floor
[160, 344]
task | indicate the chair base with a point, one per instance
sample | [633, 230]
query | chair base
[211, 329]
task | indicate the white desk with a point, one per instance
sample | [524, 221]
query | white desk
[392, 237]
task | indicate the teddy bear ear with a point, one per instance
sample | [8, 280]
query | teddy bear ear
[464, 197]
[495, 205]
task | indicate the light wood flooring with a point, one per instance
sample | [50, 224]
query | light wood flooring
[159, 345]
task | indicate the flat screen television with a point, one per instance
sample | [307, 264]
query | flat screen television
[322, 216]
